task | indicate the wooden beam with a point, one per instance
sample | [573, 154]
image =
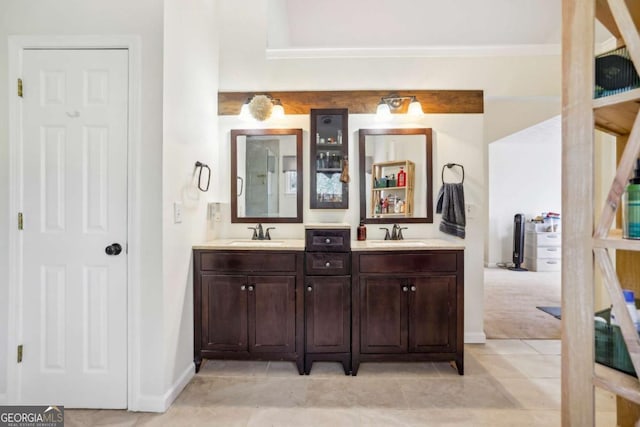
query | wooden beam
[359, 101]
[578, 400]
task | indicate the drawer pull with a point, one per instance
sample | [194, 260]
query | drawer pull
[327, 264]
[413, 288]
[243, 287]
[250, 288]
[309, 288]
[405, 288]
[327, 241]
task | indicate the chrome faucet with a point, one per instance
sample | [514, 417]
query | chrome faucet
[396, 233]
[259, 234]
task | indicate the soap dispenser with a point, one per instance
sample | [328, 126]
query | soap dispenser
[631, 207]
[362, 230]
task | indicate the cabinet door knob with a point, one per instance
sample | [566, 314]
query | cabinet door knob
[327, 264]
[413, 288]
[243, 287]
[327, 241]
[405, 288]
[250, 288]
[309, 288]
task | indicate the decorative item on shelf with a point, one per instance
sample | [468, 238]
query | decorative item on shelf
[262, 107]
[395, 103]
[344, 176]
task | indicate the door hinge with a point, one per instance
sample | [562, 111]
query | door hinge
[20, 353]
[20, 221]
[20, 88]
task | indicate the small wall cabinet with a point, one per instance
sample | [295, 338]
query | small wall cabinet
[329, 149]
[246, 306]
[391, 198]
[408, 307]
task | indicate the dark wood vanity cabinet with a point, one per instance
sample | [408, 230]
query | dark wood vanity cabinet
[246, 306]
[328, 297]
[408, 306]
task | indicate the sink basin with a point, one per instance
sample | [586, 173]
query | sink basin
[392, 243]
[256, 243]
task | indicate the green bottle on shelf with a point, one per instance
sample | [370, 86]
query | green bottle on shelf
[631, 207]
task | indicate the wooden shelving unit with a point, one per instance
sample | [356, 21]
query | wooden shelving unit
[584, 241]
[404, 193]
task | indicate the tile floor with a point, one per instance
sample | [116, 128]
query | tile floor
[506, 383]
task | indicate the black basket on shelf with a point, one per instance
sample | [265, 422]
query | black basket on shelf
[615, 73]
[610, 347]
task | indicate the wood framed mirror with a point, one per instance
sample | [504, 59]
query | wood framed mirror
[396, 175]
[266, 175]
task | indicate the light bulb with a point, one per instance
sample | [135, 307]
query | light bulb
[244, 111]
[278, 110]
[383, 112]
[415, 108]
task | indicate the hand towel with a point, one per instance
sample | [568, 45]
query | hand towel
[451, 205]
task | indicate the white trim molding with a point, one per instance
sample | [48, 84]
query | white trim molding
[132, 43]
[146, 403]
[416, 52]
[475, 338]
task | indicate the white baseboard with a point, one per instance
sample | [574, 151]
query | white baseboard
[162, 403]
[475, 338]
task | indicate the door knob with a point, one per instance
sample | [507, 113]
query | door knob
[327, 241]
[309, 288]
[327, 264]
[113, 249]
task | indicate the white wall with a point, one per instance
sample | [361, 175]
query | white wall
[190, 109]
[524, 177]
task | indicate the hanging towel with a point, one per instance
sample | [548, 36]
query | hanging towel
[451, 206]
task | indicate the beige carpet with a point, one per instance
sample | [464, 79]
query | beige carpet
[510, 300]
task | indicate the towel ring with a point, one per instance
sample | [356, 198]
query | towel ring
[202, 166]
[450, 165]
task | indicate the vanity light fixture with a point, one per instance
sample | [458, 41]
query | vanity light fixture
[278, 109]
[244, 110]
[261, 107]
[393, 103]
[415, 108]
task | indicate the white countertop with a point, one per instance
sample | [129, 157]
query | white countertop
[248, 244]
[325, 225]
[299, 245]
[407, 244]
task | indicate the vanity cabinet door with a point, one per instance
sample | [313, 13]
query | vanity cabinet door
[272, 314]
[224, 312]
[383, 314]
[328, 314]
[432, 314]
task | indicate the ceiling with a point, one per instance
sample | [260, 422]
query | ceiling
[415, 23]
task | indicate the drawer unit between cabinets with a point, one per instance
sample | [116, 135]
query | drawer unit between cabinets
[327, 297]
[324, 240]
[327, 263]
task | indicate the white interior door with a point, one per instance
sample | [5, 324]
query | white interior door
[74, 295]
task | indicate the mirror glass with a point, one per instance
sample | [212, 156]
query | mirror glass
[396, 184]
[266, 175]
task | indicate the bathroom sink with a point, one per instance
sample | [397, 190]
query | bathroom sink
[256, 243]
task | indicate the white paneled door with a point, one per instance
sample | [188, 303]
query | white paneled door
[74, 271]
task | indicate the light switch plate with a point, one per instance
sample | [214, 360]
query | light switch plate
[177, 212]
